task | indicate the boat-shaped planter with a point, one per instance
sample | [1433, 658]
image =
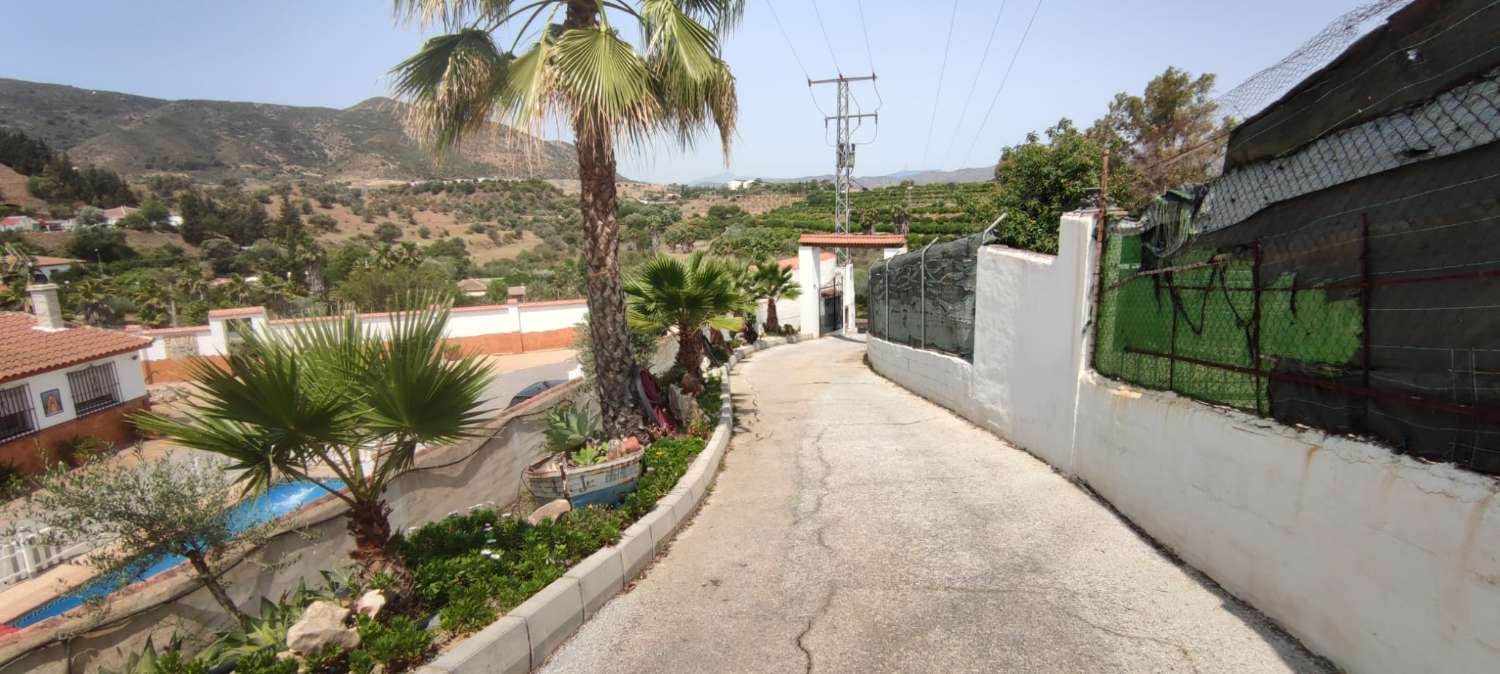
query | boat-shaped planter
[600, 484]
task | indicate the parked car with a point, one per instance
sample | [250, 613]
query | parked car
[534, 390]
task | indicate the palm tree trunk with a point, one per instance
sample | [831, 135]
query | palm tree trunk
[211, 582]
[690, 359]
[601, 257]
[773, 325]
[374, 548]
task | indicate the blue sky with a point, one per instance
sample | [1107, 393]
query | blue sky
[336, 53]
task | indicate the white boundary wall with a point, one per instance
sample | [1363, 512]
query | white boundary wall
[1380, 562]
[475, 321]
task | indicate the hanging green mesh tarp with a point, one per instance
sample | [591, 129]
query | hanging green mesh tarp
[925, 298]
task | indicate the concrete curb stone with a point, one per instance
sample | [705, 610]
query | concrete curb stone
[637, 549]
[552, 615]
[501, 648]
[600, 577]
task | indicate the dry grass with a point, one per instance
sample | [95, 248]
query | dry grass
[13, 191]
[481, 248]
[56, 243]
[754, 204]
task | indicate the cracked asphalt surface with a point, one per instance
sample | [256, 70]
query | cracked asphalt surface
[859, 528]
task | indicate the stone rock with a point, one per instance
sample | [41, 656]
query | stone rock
[370, 603]
[321, 626]
[684, 405]
[550, 512]
[622, 446]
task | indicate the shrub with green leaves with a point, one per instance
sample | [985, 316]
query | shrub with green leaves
[473, 567]
[666, 462]
[468, 610]
[709, 400]
[398, 645]
[264, 662]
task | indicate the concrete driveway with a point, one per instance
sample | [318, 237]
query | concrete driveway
[859, 528]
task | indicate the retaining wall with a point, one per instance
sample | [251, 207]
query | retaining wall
[171, 604]
[1380, 562]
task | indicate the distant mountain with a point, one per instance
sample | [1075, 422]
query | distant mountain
[216, 139]
[967, 175]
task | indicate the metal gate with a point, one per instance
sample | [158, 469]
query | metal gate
[831, 317]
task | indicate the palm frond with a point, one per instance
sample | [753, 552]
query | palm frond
[450, 13]
[452, 85]
[605, 82]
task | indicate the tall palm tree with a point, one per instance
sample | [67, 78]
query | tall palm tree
[774, 282]
[237, 291]
[92, 298]
[674, 82]
[333, 395]
[689, 296]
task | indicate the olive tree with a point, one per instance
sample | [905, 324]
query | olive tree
[139, 509]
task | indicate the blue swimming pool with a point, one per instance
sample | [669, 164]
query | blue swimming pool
[277, 501]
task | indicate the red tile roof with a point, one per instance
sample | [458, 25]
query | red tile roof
[854, 240]
[794, 263]
[29, 351]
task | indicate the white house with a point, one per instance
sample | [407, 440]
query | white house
[18, 223]
[113, 216]
[59, 382]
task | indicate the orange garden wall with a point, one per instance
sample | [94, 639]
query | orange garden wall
[159, 371]
[32, 453]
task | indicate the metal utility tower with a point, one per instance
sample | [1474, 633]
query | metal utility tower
[843, 173]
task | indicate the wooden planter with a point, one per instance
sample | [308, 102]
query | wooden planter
[600, 484]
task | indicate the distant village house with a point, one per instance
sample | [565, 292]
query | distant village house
[58, 383]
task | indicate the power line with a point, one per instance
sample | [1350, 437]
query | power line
[793, 48]
[870, 55]
[952, 18]
[974, 86]
[826, 41]
[1003, 79]
[772, 6]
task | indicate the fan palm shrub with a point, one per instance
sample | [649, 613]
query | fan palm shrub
[689, 295]
[672, 82]
[332, 396]
[774, 282]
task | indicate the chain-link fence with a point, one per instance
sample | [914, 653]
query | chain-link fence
[1343, 272]
[925, 298]
[1348, 310]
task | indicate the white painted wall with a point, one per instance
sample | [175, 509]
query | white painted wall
[128, 372]
[809, 276]
[462, 322]
[1380, 562]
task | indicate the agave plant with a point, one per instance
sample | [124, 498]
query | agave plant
[168, 661]
[568, 428]
[268, 630]
[673, 81]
